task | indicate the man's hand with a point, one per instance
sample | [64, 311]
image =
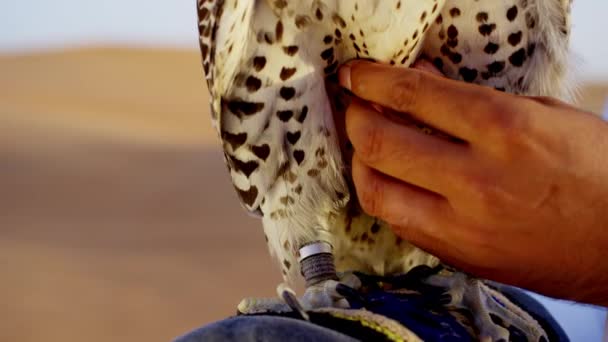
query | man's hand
[522, 199]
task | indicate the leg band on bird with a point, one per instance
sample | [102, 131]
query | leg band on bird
[317, 263]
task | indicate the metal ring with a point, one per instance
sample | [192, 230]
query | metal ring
[318, 247]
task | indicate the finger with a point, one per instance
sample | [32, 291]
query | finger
[395, 202]
[407, 154]
[460, 109]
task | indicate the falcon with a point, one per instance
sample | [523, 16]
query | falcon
[271, 69]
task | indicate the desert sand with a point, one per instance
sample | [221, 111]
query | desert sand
[117, 218]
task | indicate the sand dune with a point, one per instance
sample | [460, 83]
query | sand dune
[117, 219]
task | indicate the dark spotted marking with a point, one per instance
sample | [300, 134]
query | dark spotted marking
[283, 169]
[313, 173]
[452, 32]
[515, 38]
[338, 33]
[204, 50]
[293, 137]
[364, 237]
[287, 264]
[246, 168]
[491, 48]
[512, 13]
[248, 196]
[438, 63]
[487, 29]
[261, 152]
[286, 200]
[530, 20]
[253, 84]
[259, 63]
[298, 189]
[287, 93]
[496, 67]
[482, 17]
[328, 39]
[235, 140]
[319, 14]
[423, 16]
[286, 73]
[203, 13]
[268, 38]
[302, 21]
[278, 31]
[299, 156]
[518, 57]
[455, 57]
[240, 108]
[338, 20]
[439, 19]
[290, 50]
[375, 228]
[455, 12]
[468, 75]
[303, 114]
[280, 4]
[285, 115]
[327, 53]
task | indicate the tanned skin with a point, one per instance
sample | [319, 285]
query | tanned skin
[521, 197]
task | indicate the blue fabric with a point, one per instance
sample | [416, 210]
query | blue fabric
[536, 310]
[264, 328]
[379, 309]
[413, 311]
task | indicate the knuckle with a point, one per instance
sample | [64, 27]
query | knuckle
[404, 90]
[370, 196]
[483, 194]
[372, 143]
[509, 124]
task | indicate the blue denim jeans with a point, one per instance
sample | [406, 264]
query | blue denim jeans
[281, 329]
[264, 328]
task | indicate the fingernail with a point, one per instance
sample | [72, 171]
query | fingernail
[344, 76]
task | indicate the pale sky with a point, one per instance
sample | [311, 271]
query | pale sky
[35, 24]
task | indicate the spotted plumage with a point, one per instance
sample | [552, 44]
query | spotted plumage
[271, 66]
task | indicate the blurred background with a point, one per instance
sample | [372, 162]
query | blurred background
[117, 220]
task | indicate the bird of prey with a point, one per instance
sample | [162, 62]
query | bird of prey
[270, 67]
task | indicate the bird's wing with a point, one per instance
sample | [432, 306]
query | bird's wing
[265, 74]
